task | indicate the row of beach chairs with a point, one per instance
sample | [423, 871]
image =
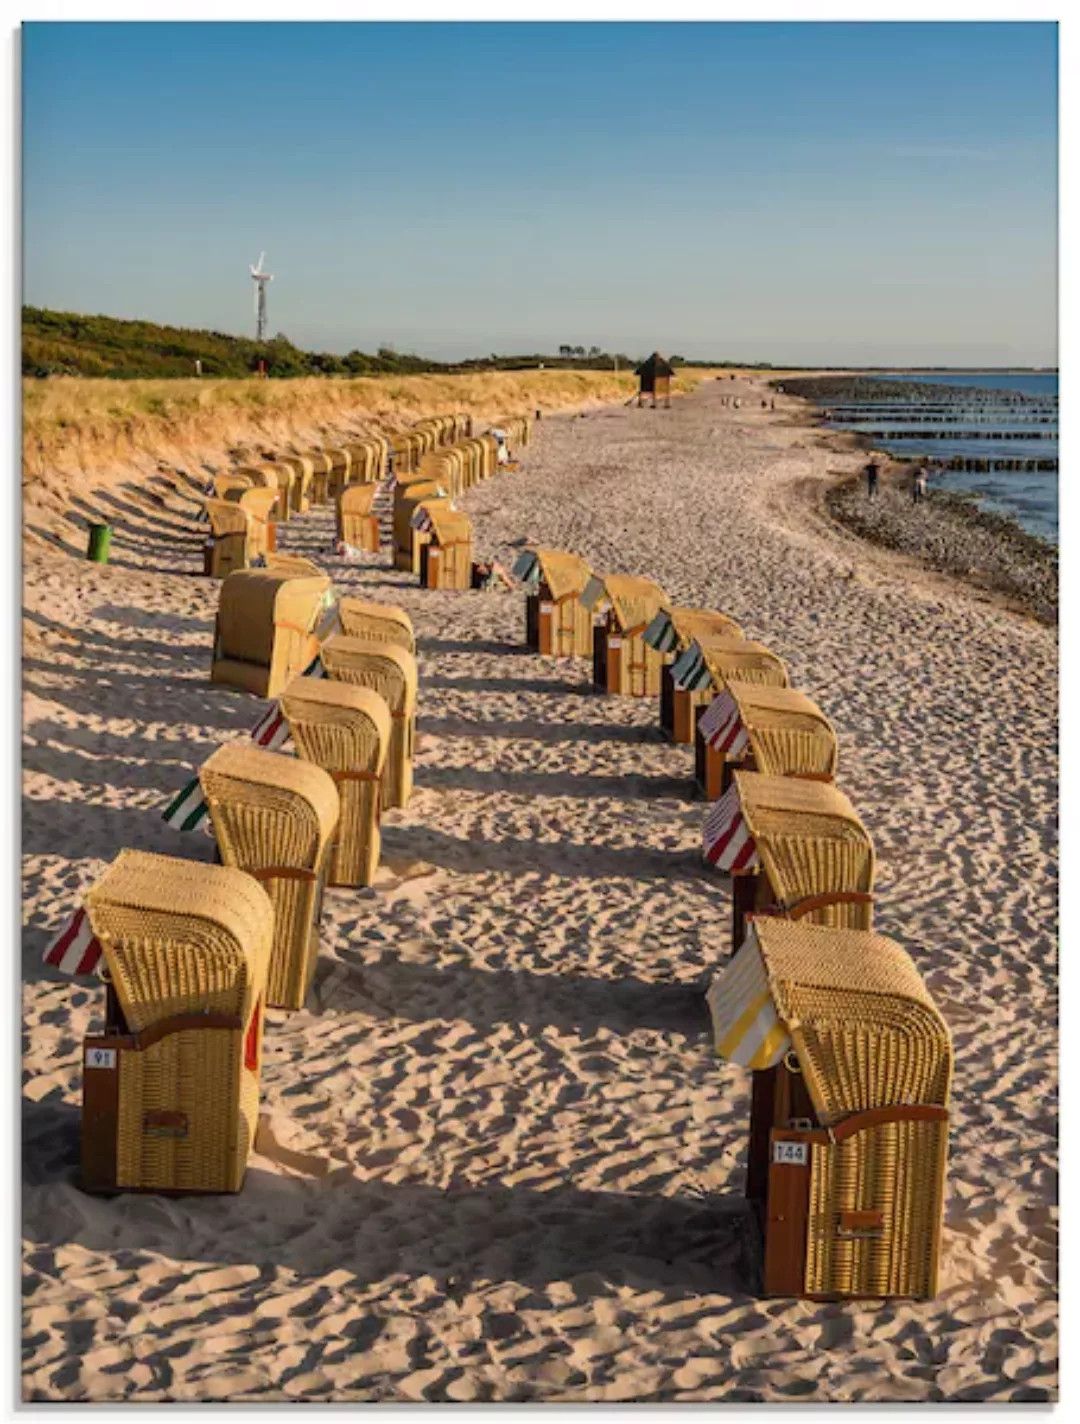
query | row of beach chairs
[851, 1060]
[192, 953]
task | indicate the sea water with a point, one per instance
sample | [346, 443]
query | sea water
[1029, 496]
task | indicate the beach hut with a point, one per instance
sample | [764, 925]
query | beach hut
[654, 379]
[391, 672]
[346, 731]
[377, 622]
[260, 502]
[230, 545]
[357, 526]
[622, 607]
[171, 1083]
[671, 632]
[557, 623]
[852, 1067]
[706, 666]
[774, 730]
[447, 547]
[793, 848]
[276, 818]
[265, 633]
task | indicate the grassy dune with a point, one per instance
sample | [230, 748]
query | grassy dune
[82, 426]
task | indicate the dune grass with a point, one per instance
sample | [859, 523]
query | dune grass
[86, 422]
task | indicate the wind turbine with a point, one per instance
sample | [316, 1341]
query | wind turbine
[261, 279]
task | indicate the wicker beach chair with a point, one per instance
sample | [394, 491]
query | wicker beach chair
[670, 633]
[391, 672]
[774, 730]
[357, 526]
[301, 473]
[446, 556]
[557, 623]
[260, 502]
[231, 543]
[266, 629]
[377, 622]
[367, 461]
[340, 465]
[622, 607]
[230, 485]
[321, 467]
[852, 1067]
[293, 566]
[793, 848]
[276, 817]
[410, 493]
[703, 671]
[267, 476]
[171, 1087]
[345, 730]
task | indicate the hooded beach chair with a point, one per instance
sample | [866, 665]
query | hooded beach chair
[345, 730]
[409, 494]
[622, 607]
[774, 730]
[557, 623]
[171, 1086]
[852, 1066]
[301, 473]
[340, 466]
[231, 543]
[357, 526]
[702, 671]
[367, 461]
[321, 467]
[276, 817]
[670, 633]
[230, 485]
[267, 476]
[446, 555]
[260, 502]
[293, 566]
[792, 848]
[266, 629]
[391, 672]
[377, 622]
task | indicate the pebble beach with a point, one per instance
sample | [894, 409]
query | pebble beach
[498, 1160]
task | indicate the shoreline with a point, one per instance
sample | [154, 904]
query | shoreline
[949, 534]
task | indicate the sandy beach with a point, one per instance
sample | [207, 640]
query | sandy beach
[499, 1160]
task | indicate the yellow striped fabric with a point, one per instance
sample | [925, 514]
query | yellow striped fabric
[746, 1027]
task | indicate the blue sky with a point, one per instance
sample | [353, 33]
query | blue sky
[789, 192]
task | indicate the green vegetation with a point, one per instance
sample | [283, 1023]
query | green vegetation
[67, 344]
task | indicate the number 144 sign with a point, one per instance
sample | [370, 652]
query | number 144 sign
[791, 1154]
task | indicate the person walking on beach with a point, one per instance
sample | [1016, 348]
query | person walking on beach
[918, 485]
[871, 473]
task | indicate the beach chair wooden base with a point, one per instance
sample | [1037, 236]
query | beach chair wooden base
[607, 659]
[440, 568]
[709, 765]
[271, 538]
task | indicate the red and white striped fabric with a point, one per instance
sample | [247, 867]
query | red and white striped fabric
[74, 950]
[722, 727]
[726, 839]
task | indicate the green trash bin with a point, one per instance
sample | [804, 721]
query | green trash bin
[97, 550]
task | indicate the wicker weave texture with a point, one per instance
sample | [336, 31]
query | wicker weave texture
[182, 937]
[377, 622]
[266, 629]
[691, 623]
[789, 734]
[741, 660]
[346, 730]
[391, 672]
[810, 841]
[277, 813]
